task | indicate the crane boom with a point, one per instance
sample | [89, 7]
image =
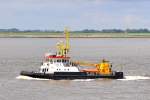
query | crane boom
[104, 67]
[83, 63]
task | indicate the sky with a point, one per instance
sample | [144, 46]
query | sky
[74, 14]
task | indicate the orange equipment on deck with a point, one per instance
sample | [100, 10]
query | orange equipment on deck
[102, 68]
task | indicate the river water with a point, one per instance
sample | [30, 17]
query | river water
[130, 55]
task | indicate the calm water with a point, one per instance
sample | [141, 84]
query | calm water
[129, 55]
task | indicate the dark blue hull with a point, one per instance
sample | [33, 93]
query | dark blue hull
[72, 75]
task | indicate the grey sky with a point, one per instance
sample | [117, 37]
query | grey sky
[76, 14]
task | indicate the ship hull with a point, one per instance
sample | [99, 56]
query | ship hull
[72, 75]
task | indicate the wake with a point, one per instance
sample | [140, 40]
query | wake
[128, 78]
[29, 78]
[83, 80]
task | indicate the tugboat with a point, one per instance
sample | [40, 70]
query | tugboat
[59, 66]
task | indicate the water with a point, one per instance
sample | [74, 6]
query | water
[129, 55]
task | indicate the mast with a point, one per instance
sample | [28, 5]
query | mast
[67, 35]
[63, 48]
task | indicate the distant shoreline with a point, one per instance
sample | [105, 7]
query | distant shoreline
[74, 35]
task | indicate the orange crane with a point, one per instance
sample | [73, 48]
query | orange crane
[104, 67]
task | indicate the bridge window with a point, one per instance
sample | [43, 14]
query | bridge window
[44, 69]
[62, 60]
[58, 60]
[51, 61]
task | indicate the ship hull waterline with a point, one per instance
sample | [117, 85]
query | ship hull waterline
[71, 75]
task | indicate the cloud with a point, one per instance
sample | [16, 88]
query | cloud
[130, 20]
[74, 13]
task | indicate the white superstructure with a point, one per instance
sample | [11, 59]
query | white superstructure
[59, 62]
[56, 63]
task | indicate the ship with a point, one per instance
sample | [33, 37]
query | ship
[59, 66]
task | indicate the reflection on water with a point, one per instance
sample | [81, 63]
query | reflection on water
[129, 55]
